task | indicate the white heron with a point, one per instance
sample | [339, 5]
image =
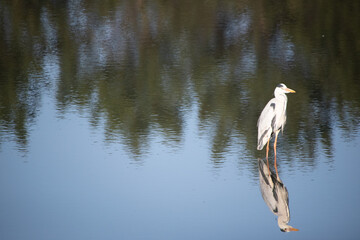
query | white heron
[272, 119]
[275, 196]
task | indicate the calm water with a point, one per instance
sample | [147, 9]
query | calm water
[137, 119]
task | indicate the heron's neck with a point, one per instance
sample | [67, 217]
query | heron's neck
[281, 96]
[283, 221]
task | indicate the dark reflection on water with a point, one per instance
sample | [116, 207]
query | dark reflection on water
[138, 67]
[275, 195]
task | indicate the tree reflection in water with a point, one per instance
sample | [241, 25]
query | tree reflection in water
[141, 66]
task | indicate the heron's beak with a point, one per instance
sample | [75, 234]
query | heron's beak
[291, 229]
[290, 90]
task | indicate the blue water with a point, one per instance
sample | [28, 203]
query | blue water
[137, 119]
[71, 185]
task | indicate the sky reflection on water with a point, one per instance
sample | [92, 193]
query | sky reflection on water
[80, 188]
[137, 119]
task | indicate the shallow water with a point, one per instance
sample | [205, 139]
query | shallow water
[137, 119]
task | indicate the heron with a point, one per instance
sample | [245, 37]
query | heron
[276, 196]
[272, 119]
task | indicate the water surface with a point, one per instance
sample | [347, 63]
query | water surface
[137, 119]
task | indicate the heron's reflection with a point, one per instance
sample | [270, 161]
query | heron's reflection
[275, 196]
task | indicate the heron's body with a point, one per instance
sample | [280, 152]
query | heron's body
[275, 196]
[272, 119]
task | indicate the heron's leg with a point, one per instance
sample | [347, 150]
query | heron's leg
[276, 135]
[267, 154]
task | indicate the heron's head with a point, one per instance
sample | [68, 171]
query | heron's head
[284, 227]
[289, 229]
[283, 88]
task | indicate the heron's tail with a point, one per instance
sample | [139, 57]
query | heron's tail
[261, 143]
[263, 138]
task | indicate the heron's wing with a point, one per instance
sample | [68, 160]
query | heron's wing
[267, 187]
[267, 113]
[266, 122]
